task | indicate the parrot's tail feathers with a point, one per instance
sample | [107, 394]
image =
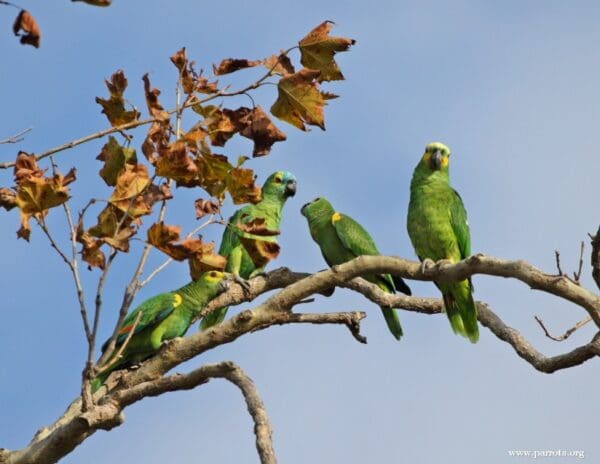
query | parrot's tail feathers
[213, 318]
[393, 322]
[401, 285]
[461, 311]
[469, 316]
[453, 314]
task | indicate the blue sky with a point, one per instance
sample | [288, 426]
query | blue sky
[510, 86]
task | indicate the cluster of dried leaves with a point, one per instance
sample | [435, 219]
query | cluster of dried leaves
[185, 159]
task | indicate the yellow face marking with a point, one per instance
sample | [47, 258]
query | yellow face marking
[178, 300]
[445, 161]
[214, 276]
[427, 157]
[336, 217]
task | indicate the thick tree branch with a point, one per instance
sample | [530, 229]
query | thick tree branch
[75, 426]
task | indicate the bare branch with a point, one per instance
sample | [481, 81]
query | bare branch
[567, 333]
[227, 370]
[18, 137]
[577, 275]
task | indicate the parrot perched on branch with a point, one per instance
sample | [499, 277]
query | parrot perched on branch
[250, 239]
[438, 228]
[342, 239]
[159, 319]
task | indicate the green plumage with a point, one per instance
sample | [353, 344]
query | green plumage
[438, 228]
[342, 239]
[161, 318]
[277, 189]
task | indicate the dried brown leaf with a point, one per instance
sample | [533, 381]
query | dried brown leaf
[318, 49]
[300, 101]
[203, 207]
[279, 64]
[114, 107]
[27, 24]
[115, 156]
[262, 131]
[230, 65]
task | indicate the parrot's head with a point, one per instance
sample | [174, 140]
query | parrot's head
[280, 184]
[436, 157]
[320, 206]
[215, 282]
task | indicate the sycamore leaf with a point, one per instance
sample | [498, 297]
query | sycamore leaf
[114, 107]
[115, 157]
[8, 198]
[38, 194]
[262, 131]
[155, 109]
[203, 207]
[175, 163]
[279, 64]
[203, 258]
[186, 71]
[163, 237]
[35, 194]
[222, 124]
[26, 167]
[318, 49]
[242, 187]
[261, 251]
[31, 32]
[230, 65]
[300, 101]
[213, 170]
[257, 226]
[131, 183]
[90, 252]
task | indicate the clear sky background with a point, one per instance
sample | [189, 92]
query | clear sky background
[511, 87]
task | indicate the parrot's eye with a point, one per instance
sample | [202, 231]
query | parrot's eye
[213, 274]
[317, 199]
[278, 180]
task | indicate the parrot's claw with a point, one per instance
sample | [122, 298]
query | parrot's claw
[427, 264]
[444, 262]
[243, 283]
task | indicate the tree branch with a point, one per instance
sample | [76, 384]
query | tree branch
[18, 137]
[123, 387]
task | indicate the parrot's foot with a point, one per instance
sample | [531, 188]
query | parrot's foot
[443, 262]
[427, 264]
[243, 283]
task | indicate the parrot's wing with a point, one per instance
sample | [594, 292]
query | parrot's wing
[231, 235]
[353, 236]
[359, 242]
[152, 312]
[460, 225]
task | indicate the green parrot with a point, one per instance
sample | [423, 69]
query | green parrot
[438, 229]
[341, 239]
[276, 190]
[162, 318]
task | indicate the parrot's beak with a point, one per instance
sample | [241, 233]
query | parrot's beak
[436, 160]
[304, 208]
[290, 188]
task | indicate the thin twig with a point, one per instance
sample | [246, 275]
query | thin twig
[557, 255]
[577, 275]
[567, 333]
[18, 137]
